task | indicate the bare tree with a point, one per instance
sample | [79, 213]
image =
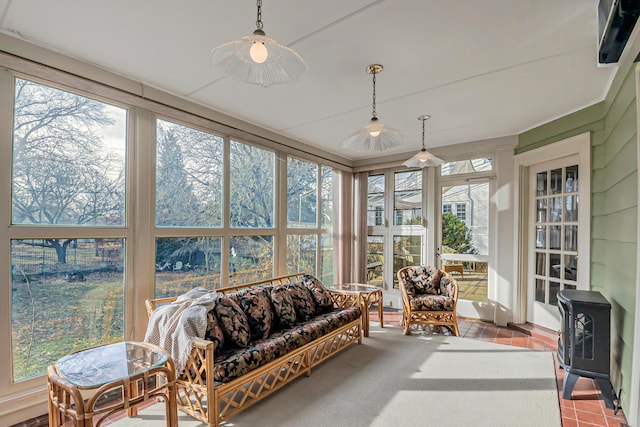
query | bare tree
[62, 173]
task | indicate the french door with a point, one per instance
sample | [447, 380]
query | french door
[555, 228]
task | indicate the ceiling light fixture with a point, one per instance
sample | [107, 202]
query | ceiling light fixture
[258, 59]
[423, 158]
[375, 136]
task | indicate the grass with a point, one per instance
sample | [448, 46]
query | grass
[52, 317]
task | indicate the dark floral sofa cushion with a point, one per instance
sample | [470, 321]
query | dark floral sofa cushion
[234, 363]
[303, 301]
[233, 321]
[285, 313]
[431, 303]
[214, 332]
[256, 304]
[319, 292]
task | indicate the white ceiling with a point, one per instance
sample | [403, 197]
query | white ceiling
[480, 68]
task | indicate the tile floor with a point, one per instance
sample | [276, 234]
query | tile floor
[586, 409]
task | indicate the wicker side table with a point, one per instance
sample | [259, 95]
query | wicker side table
[100, 381]
[366, 295]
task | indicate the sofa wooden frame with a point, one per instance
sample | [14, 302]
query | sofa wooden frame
[427, 317]
[196, 390]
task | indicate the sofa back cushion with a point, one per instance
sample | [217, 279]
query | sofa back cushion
[256, 304]
[284, 310]
[214, 331]
[320, 293]
[303, 301]
[233, 321]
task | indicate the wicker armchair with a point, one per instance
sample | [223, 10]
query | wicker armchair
[429, 297]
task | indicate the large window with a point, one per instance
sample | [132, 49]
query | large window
[309, 218]
[68, 189]
[110, 205]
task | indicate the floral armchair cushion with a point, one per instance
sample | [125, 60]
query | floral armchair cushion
[422, 280]
[428, 302]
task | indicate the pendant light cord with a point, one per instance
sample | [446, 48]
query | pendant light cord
[423, 120]
[259, 15]
[374, 114]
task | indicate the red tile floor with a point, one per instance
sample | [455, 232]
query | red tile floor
[586, 409]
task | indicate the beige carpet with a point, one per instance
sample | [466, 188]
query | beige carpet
[419, 380]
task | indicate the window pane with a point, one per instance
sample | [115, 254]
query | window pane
[326, 259]
[326, 194]
[572, 179]
[407, 250]
[67, 294]
[68, 158]
[375, 205]
[302, 194]
[301, 253]
[375, 260]
[252, 186]
[540, 263]
[541, 184]
[250, 259]
[466, 166]
[183, 263]
[407, 209]
[188, 177]
[556, 181]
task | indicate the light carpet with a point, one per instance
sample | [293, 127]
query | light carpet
[417, 380]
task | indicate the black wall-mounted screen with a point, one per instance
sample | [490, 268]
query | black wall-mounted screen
[616, 20]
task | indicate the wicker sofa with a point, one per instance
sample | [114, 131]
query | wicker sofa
[299, 324]
[429, 297]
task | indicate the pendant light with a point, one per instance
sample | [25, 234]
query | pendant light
[375, 136]
[258, 59]
[423, 158]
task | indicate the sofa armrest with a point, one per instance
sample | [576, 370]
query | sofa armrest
[202, 354]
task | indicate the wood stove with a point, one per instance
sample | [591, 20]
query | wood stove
[584, 345]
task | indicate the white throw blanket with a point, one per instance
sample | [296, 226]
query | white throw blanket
[176, 326]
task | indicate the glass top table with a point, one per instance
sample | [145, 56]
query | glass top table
[94, 367]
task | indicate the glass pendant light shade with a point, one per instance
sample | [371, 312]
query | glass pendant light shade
[258, 59]
[423, 158]
[375, 136]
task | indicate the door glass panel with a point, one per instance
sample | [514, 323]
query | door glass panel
[375, 260]
[540, 263]
[571, 238]
[541, 184]
[554, 265]
[541, 210]
[571, 208]
[555, 236]
[540, 289]
[465, 236]
[556, 181]
[541, 236]
[407, 250]
[554, 288]
[555, 209]
[572, 179]
[570, 267]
